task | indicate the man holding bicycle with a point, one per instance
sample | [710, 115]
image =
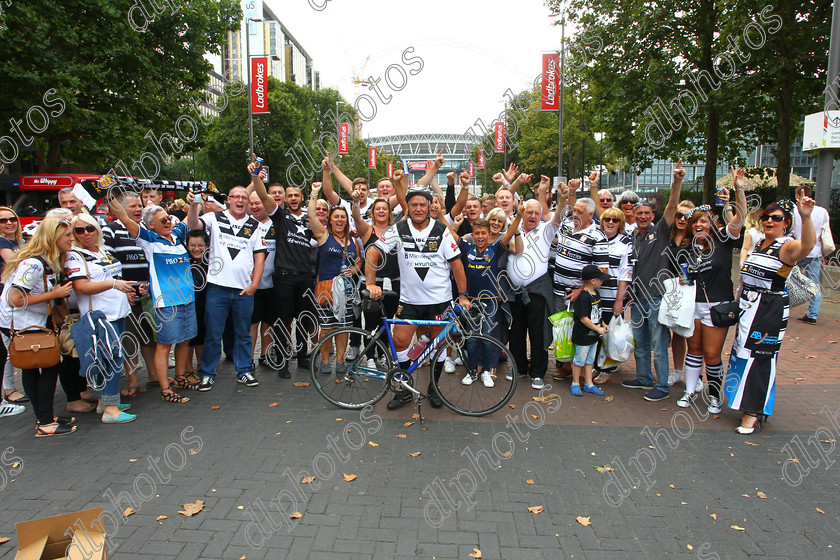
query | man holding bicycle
[426, 253]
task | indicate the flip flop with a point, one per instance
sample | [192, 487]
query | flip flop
[17, 400]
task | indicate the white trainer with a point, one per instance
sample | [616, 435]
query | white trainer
[449, 365]
[487, 379]
[467, 380]
[714, 405]
[351, 353]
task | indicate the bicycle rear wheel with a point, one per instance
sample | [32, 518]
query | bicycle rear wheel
[352, 385]
[473, 397]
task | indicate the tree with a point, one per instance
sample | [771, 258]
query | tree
[117, 77]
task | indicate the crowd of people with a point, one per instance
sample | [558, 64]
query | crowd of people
[267, 270]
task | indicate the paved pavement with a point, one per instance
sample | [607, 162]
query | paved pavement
[681, 480]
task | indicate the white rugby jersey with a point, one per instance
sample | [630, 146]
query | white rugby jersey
[423, 258]
[233, 244]
[576, 249]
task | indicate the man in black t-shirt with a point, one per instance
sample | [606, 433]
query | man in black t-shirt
[293, 279]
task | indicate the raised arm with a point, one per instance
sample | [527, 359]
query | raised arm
[119, 212]
[328, 168]
[797, 249]
[676, 190]
[319, 232]
[594, 194]
[461, 201]
[736, 220]
[513, 231]
[426, 179]
[400, 188]
[362, 227]
[259, 187]
[562, 197]
[449, 200]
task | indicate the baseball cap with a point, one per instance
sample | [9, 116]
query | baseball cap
[591, 271]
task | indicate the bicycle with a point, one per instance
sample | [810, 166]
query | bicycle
[355, 385]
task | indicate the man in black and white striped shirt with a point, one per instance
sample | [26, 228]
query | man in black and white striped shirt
[139, 327]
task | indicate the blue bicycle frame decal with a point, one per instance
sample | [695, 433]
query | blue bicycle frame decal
[448, 326]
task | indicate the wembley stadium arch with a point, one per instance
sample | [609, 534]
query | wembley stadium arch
[417, 149]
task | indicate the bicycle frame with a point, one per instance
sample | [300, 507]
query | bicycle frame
[448, 327]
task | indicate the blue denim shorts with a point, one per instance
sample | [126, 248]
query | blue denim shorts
[585, 355]
[176, 323]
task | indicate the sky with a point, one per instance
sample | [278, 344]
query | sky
[472, 52]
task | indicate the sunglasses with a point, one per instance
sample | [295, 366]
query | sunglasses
[81, 230]
[165, 220]
[610, 220]
[8, 220]
[680, 215]
[775, 217]
[606, 200]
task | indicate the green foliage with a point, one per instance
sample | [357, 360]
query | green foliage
[118, 83]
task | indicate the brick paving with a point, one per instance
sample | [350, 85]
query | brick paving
[681, 478]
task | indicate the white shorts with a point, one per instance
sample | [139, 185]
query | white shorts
[701, 311]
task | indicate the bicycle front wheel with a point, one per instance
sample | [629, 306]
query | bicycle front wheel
[351, 384]
[485, 374]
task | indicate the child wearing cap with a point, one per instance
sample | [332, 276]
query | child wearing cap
[588, 327]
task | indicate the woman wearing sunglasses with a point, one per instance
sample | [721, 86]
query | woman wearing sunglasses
[680, 242]
[173, 292]
[710, 267]
[620, 247]
[31, 292]
[97, 279]
[751, 376]
[11, 239]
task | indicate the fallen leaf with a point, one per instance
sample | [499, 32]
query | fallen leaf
[4, 540]
[536, 510]
[609, 398]
[349, 477]
[475, 553]
[301, 384]
[192, 509]
[161, 518]
[671, 486]
[132, 460]
[193, 451]
[16, 464]
[407, 424]
[341, 380]
[584, 521]
[415, 454]
[761, 495]
[820, 511]
[714, 516]
[828, 441]
[240, 507]
[475, 433]
[401, 436]
[243, 557]
[296, 515]
[793, 460]
[605, 468]
[529, 481]
[534, 416]
[831, 342]
[689, 547]
[272, 405]
[735, 527]
[215, 407]
[307, 479]
[338, 419]
[746, 495]
[415, 416]
[511, 406]
[507, 454]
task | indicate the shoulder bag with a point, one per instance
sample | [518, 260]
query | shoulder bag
[827, 239]
[34, 347]
[723, 314]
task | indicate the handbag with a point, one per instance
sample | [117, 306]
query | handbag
[65, 339]
[34, 347]
[324, 288]
[723, 314]
[827, 239]
[801, 289]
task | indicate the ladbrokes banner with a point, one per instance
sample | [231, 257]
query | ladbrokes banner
[550, 86]
[259, 85]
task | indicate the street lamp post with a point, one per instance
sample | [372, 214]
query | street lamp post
[562, 94]
[248, 65]
[825, 163]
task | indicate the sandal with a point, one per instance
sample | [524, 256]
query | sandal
[182, 383]
[59, 430]
[9, 396]
[173, 397]
[192, 377]
[132, 391]
[65, 420]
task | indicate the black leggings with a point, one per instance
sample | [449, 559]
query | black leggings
[39, 385]
[71, 382]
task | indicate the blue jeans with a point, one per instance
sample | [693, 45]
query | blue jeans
[649, 335]
[482, 353]
[220, 303]
[811, 267]
[104, 377]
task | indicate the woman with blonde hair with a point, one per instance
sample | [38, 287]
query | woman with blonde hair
[30, 296]
[754, 232]
[11, 238]
[97, 279]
